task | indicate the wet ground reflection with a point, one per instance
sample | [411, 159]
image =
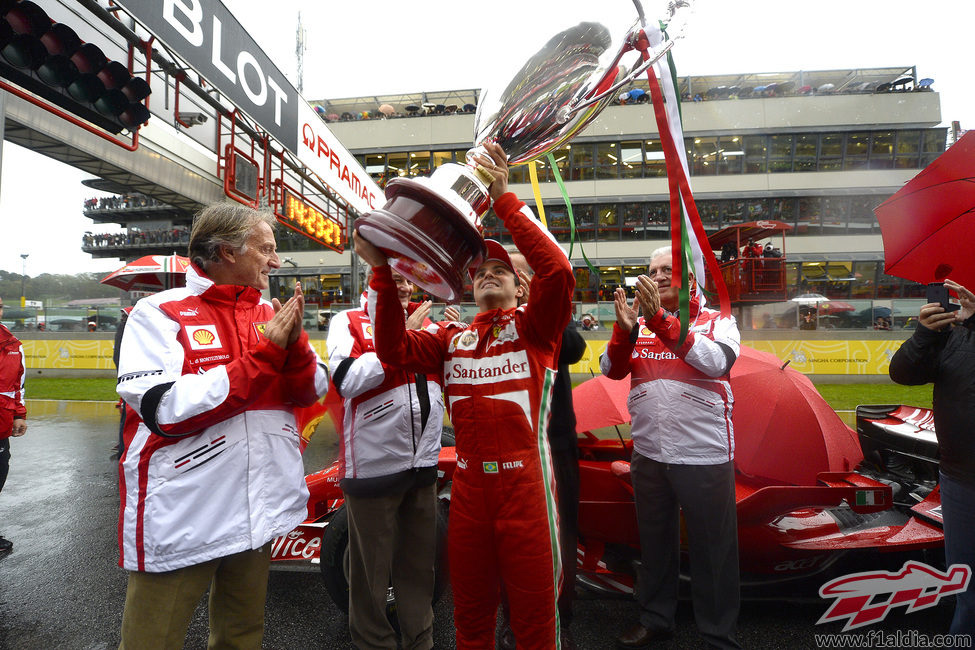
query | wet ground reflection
[61, 586]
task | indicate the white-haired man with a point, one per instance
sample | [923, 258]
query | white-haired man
[683, 450]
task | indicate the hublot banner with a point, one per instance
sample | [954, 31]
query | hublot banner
[207, 36]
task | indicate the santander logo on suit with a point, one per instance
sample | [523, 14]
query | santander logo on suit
[504, 367]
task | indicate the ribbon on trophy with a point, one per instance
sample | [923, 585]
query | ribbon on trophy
[685, 218]
[537, 191]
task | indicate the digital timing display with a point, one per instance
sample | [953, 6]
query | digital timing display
[311, 222]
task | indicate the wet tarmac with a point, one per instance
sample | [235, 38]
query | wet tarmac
[61, 586]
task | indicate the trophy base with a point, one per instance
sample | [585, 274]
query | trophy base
[428, 241]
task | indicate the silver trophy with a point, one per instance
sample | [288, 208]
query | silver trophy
[430, 228]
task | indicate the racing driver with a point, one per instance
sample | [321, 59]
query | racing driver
[497, 382]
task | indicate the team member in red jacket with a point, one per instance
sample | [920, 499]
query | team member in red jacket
[498, 374]
[13, 412]
[683, 445]
[388, 463]
[211, 470]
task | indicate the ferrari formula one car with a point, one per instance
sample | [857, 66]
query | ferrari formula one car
[813, 500]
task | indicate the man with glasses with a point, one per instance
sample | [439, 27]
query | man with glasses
[388, 465]
[683, 449]
[13, 412]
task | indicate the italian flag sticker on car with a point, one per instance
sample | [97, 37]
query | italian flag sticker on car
[869, 497]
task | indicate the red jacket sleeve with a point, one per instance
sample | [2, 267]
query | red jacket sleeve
[304, 375]
[667, 327]
[615, 362]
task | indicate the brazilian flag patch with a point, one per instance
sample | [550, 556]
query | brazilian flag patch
[491, 467]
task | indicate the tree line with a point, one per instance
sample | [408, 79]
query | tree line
[56, 288]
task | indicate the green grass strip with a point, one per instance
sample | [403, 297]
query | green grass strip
[842, 397]
[72, 388]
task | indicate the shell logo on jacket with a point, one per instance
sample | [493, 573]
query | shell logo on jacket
[212, 464]
[203, 337]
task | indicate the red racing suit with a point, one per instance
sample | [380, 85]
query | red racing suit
[680, 397]
[211, 464]
[498, 375]
[12, 374]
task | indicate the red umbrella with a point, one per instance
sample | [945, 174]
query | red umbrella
[833, 307]
[929, 224]
[784, 429]
[600, 402]
[150, 273]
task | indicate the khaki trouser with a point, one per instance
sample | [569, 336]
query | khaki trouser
[392, 539]
[159, 606]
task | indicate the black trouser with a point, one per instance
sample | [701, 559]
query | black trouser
[4, 460]
[706, 496]
[566, 464]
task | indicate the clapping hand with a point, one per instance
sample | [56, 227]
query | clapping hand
[285, 328]
[451, 313]
[626, 315]
[415, 320]
[525, 282]
[648, 295]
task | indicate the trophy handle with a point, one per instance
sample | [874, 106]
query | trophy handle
[632, 41]
[482, 174]
[565, 113]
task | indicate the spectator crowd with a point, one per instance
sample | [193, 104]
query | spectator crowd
[176, 235]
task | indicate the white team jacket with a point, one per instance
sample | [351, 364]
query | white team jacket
[211, 464]
[680, 398]
[383, 436]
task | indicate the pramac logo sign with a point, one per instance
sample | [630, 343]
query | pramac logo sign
[203, 337]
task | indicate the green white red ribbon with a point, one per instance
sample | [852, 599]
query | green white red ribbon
[684, 218]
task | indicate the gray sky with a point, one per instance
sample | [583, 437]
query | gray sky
[384, 47]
